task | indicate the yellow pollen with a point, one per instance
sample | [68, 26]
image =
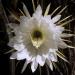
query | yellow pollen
[37, 38]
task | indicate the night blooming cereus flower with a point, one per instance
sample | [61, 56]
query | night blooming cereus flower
[38, 38]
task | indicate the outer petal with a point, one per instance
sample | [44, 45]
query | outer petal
[23, 20]
[47, 18]
[49, 63]
[58, 30]
[11, 42]
[56, 18]
[38, 12]
[52, 57]
[26, 10]
[14, 55]
[23, 55]
[65, 35]
[24, 66]
[34, 65]
[19, 47]
[53, 50]
[40, 60]
[61, 44]
[13, 26]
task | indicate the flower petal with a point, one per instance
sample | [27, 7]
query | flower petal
[58, 30]
[56, 18]
[11, 42]
[61, 44]
[22, 55]
[38, 12]
[49, 63]
[14, 55]
[52, 57]
[40, 60]
[19, 47]
[65, 35]
[24, 66]
[26, 10]
[34, 65]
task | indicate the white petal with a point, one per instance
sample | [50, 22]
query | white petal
[40, 60]
[56, 18]
[45, 56]
[48, 19]
[14, 55]
[11, 42]
[19, 47]
[34, 65]
[58, 30]
[24, 66]
[26, 10]
[53, 50]
[23, 20]
[38, 12]
[52, 57]
[13, 25]
[61, 44]
[23, 55]
[49, 63]
[65, 35]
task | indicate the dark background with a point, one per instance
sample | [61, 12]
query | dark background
[6, 65]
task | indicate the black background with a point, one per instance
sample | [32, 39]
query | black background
[6, 64]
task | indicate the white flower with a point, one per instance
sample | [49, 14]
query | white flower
[37, 39]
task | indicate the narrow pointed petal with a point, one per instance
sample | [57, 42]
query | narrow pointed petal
[34, 65]
[59, 30]
[22, 55]
[64, 19]
[51, 66]
[61, 53]
[14, 55]
[65, 35]
[21, 12]
[55, 10]
[24, 66]
[49, 63]
[62, 57]
[56, 18]
[14, 16]
[10, 51]
[62, 10]
[26, 11]
[38, 12]
[52, 57]
[67, 41]
[62, 45]
[40, 60]
[19, 47]
[66, 23]
[71, 47]
[47, 10]
[33, 5]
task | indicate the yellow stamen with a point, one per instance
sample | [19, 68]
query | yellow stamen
[37, 38]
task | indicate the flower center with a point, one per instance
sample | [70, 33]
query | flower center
[37, 38]
[37, 34]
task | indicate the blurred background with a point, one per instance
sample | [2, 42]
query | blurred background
[7, 66]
